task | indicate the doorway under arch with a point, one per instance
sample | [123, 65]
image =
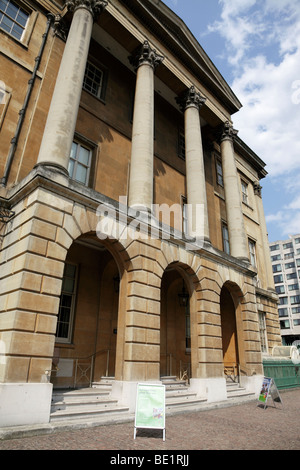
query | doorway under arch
[87, 326]
[175, 329]
[229, 333]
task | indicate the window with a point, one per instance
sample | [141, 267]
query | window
[13, 19]
[283, 312]
[276, 268]
[251, 245]
[293, 286]
[289, 255]
[219, 171]
[244, 192]
[283, 300]
[287, 245]
[298, 262]
[263, 332]
[295, 299]
[295, 309]
[297, 240]
[284, 324]
[226, 246]
[80, 163]
[274, 247]
[181, 144]
[289, 265]
[291, 276]
[280, 289]
[275, 258]
[187, 328]
[93, 80]
[5, 96]
[67, 304]
[185, 228]
[296, 322]
[278, 279]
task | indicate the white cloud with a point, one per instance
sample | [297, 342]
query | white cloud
[262, 41]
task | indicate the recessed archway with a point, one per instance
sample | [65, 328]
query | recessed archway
[88, 316]
[175, 327]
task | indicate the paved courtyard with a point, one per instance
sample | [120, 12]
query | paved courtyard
[240, 427]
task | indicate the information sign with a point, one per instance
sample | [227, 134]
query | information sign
[269, 389]
[150, 407]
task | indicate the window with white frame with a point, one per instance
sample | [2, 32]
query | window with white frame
[185, 227]
[93, 80]
[244, 192]
[13, 18]
[67, 304]
[225, 234]
[252, 254]
[263, 332]
[80, 163]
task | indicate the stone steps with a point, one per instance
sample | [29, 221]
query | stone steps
[84, 404]
[179, 396]
[234, 390]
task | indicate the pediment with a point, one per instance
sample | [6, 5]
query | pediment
[176, 36]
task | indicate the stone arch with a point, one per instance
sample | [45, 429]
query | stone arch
[179, 318]
[232, 301]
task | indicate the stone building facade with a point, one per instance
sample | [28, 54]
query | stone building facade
[133, 236]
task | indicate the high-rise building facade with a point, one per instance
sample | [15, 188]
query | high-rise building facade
[133, 235]
[285, 258]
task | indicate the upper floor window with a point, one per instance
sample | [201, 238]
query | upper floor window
[80, 163]
[252, 254]
[244, 191]
[94, 80]
[263, 332]
[13, 18]
[287, 245]
[274, 247]
[225, 234]
[181, 144]
[219, 171]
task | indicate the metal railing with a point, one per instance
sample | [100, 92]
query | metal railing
[83, 367]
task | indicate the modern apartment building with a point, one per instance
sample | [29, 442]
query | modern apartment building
[132, 230]
[285, 258]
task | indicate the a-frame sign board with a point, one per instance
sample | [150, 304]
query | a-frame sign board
[150, 407]
[268, 389]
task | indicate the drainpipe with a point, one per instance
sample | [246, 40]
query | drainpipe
[14, 141]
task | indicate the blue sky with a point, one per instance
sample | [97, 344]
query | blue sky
[255, 44]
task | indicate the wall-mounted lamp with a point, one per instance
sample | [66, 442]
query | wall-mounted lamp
[116, 280]
[183, 296]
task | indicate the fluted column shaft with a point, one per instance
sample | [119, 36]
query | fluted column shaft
[141, 167]
[235, 219]
[61, 121]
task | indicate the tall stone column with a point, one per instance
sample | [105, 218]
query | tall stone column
[191, 102]
[264, 236]
[61, 121]
[141, 168]
[235, 220]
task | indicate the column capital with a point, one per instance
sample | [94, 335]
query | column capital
[191, 98]
[95, 7]
[228, 132]
[257, 188]
[145, 55]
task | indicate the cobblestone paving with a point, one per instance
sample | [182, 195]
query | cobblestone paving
[241, 427]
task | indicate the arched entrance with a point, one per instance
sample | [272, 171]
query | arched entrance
[175, 331]
[87, 326]
[229, 333]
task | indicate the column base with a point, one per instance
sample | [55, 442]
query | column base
[54, 167]
[25, 404]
